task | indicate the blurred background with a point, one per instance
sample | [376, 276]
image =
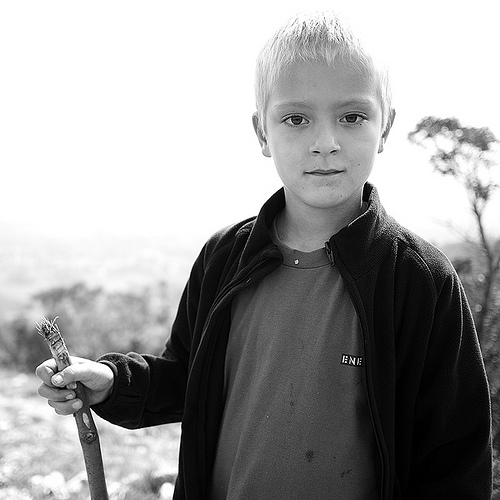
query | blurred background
[126, 141]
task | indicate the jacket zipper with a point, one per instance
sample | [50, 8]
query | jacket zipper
[228, 290]
[329, 253]
[219, 303]
[359, 309]
[371, 405]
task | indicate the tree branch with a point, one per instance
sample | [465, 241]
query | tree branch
[87, 430]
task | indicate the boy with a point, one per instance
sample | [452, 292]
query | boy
[302, 369]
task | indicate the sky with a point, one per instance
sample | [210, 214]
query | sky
[122, 118]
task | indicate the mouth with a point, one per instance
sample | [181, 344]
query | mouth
[323, 173]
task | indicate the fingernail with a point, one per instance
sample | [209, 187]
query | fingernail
[76, 405]
[70, 396]
[57, 379]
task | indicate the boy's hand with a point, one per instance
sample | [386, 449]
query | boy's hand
[97, 378]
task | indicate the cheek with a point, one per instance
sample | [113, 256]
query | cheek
[366, 146]
[286, 137]
[282, 148]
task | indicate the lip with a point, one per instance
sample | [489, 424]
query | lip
[324, 172]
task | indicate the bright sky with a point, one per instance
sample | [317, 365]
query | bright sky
[124, 117]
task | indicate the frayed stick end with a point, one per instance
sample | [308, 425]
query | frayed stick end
[47, 328]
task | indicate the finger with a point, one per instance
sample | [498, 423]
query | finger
[66, 408]
[46, 370]
[63, 379]
[79, 370]
[51, 393]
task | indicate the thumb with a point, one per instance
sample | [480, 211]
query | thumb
[95, 376]
[64, 378]
[70, 376]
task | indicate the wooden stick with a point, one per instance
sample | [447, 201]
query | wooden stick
[87, 430]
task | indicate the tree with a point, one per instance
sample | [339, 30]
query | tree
[468, 155]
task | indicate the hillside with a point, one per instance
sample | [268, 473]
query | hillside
[28, 267]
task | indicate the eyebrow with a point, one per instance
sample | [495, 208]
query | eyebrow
[293, 104]
[362, 101]
[358, 102]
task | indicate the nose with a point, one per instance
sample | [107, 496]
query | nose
[325, 142]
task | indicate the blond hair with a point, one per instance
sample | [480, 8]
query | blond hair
[319, 37]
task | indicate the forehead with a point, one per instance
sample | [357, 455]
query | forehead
[320, 83]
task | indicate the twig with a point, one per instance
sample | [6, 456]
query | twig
[87, 430]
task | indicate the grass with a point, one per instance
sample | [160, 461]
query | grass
[41, 457]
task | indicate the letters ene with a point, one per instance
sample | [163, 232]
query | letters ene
[347, 359]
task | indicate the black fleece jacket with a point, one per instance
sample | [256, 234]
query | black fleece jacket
[426, 382]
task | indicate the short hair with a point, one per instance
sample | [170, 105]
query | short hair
[318, 37]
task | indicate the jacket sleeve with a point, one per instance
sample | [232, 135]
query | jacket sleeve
[452, 446]
[150, 390]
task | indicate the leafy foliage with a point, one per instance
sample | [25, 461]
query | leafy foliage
[465, 153]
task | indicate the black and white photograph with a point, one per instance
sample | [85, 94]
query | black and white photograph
[249, 251]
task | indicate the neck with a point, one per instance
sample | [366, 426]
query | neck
[308, 229]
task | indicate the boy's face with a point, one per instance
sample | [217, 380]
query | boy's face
[323, 130]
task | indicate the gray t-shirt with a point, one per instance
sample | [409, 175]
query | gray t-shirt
[296, 422]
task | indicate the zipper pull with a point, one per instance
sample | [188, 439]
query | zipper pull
[329, 252]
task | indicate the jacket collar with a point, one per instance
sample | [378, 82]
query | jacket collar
[363, 243]
[359, 245]
[257, 232]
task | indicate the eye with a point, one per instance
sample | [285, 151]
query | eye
[353, 118]
[296, 120]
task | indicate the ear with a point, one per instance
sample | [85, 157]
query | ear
[261, 136]
[385, 133]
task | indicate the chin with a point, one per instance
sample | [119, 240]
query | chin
[344, 201]
[325, 204]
